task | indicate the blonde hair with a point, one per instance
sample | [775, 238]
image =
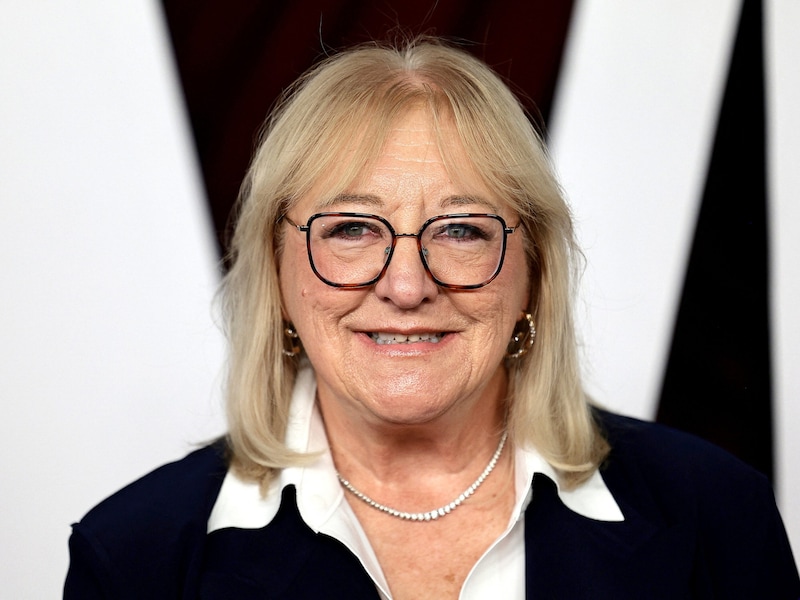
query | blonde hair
[339, 112]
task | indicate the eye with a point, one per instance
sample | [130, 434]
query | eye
[460, 232]
[351, 230]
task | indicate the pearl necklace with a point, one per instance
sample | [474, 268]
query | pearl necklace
[433, 514]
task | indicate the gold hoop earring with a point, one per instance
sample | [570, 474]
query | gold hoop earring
[294, 341]
[522, 338]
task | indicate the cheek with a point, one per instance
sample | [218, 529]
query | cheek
[293, 283]
[493, 315]
[509, 299]
[299, 302]
[315, 309]
[515, 280]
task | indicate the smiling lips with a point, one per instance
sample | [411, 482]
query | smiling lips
[382, 338]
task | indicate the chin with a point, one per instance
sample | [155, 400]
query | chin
[407, 416]
[409, 405]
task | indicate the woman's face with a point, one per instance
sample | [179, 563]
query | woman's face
[419, 380]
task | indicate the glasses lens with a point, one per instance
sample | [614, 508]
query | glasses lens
[464, 251]
[348, 249]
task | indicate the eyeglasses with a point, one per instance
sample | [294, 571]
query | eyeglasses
[352, 250]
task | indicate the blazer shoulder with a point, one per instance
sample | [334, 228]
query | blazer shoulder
[147, 536]
[673, 456]
[175, 490]
[723, 509]
[682, 477]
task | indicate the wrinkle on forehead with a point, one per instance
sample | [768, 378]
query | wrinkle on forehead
[439, 144]
[375, 202]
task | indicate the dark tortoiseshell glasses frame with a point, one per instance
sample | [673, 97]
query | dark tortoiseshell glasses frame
[389, 250]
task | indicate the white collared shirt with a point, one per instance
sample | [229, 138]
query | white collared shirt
[500, 572]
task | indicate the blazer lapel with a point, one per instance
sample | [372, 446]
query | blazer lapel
[571, 556]
[285, 559]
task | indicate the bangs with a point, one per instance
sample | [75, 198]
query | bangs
[352, 130]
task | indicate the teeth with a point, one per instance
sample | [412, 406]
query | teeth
[398, 338]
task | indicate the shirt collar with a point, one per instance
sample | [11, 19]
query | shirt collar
[320, 496]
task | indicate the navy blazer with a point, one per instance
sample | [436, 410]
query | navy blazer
[698, 524]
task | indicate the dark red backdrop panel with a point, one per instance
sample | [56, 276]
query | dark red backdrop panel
[234, 59]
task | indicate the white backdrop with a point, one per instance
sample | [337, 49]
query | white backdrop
[632, 132]
[109, 358]
[782, 22]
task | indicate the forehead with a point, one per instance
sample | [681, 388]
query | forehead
[418, 135]
[421, 159]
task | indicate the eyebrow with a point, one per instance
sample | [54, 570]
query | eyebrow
[367, 200]
[373, 201]
[466, 200]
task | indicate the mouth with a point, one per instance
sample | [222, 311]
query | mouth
[385, 338]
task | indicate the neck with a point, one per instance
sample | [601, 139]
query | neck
[444, 451]
[438, 512]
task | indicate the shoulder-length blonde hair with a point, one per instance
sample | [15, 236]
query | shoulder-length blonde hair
[338, 114]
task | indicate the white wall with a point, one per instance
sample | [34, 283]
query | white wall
[109, 360]
[631, 136]
[782, 23]
[632, 133]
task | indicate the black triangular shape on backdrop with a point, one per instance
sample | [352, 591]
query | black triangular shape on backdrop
[717, 383]
[234, 58]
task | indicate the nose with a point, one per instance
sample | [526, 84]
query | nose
[406, 282]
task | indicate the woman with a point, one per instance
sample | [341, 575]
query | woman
[406, 417]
